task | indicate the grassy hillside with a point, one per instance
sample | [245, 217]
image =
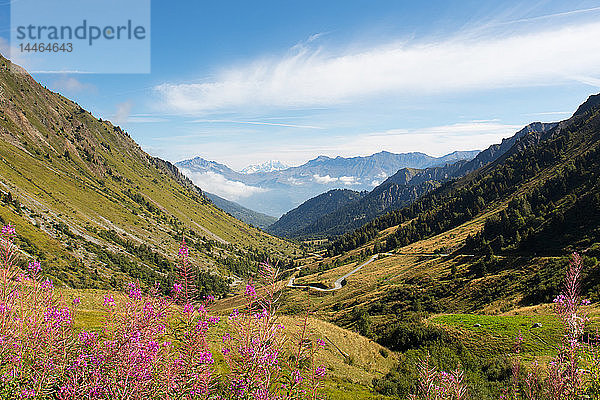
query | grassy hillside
[296, 222]
[95, 208]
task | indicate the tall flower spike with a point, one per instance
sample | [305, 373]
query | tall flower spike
[8, 230]
[186, 275]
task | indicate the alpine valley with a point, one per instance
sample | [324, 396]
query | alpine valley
[391, 268]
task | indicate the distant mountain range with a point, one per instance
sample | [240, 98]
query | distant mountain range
[397, 191]
[278, 191]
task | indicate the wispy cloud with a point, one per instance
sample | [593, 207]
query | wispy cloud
[227, 121]
[588, 80]
[70, 84]
[308, 77]
[146, 118]
[551, 16]
[551, 113]
[123, 112]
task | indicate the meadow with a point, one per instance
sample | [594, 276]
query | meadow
[70, 344]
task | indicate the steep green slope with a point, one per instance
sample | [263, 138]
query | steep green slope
[294, 222]
[95, 208]
[544, 182]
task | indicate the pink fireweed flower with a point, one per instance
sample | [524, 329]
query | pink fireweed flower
[47, 284]
[321, 343]
[183, 250]
[25, 394]
[34, 268]
[109, 301]
[8, 230]
[177, 288]
[250, 290]
[214, 320]
[320, 372]
[234, 314]
[202, 326]
[58, 316]
[160, 329]
[148, 309]
[4, 308]
[87, 338]
[263, 314]
[270, 359]
[297, 377]
[134, 291]
[188, 308]
[77, 301]
[520, 339]
[206, 358]
[560, 299]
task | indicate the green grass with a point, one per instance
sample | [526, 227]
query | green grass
[498, 334]
[342, 390]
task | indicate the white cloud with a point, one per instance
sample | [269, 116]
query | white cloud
[315, 77]
[295, 181]
[551, 113]
[345, 180]
[324, 180]
[145, 119]
[70, 84]
[349, 180]
[228, 121]
[588, 80]
[221, 186]
[123, 112]
[550, 16]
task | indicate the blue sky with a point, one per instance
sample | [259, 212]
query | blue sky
[244, 82]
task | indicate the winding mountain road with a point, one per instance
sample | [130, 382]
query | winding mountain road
[338, 284]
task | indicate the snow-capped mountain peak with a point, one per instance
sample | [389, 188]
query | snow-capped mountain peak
[269, 166]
